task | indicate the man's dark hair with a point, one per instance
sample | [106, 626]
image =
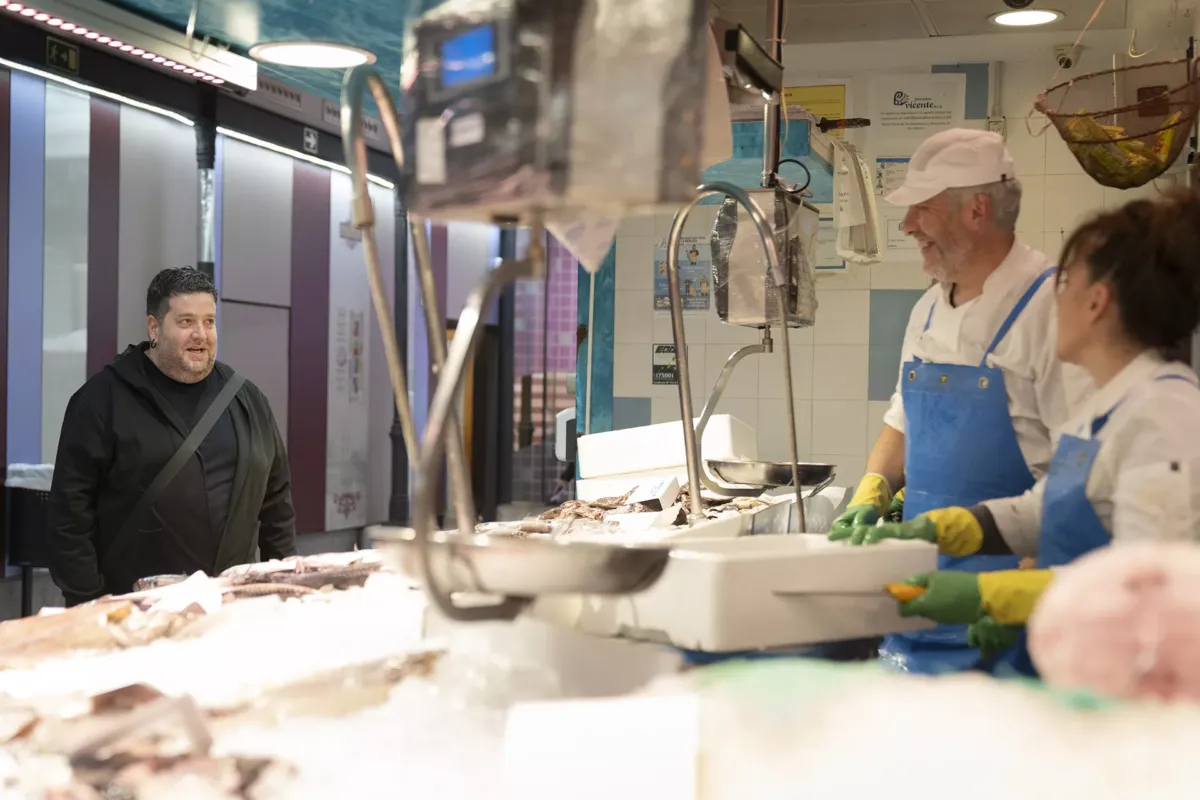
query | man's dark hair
[1146, 252]
[174, 283]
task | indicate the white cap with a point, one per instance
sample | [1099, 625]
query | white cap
[951, 160]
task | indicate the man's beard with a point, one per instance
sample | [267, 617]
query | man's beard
[177, 368]
[949, 267]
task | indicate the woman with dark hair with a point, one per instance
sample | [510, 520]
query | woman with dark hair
[1127, 468]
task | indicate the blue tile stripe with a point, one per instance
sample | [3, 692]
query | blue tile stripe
[630, 412]
[25, 258]
[600, 332]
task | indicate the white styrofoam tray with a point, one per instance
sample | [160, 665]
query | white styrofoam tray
[657, 447]
[757, 592]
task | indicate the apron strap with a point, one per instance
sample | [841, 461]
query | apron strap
[1016, 312]
[1099, 422]
[929, 319]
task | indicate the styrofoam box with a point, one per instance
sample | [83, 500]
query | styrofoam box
[658, 447]
[758, 592]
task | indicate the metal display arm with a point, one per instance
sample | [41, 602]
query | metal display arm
[357, 80]
[775, 281]
[710, 405]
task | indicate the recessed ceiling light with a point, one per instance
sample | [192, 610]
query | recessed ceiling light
[1027, 18]
[312, 54]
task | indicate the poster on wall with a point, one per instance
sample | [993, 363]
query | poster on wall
[910, 108]
[664, 370]
[889, 174]
[826, 253]
[695, 274]
[898, 241]
[348, 424]
[822, 100]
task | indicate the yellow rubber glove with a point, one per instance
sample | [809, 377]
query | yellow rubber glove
[1009, 596]
[954, 530]
[870, 502]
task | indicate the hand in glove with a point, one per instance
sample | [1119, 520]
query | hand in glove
[955, 531]
[896, 510]
[961, 598]
[991, 637]
[870, 502]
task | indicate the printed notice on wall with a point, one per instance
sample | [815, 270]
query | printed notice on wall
[909, 108]
[664, 370]
[889, 175]
[695, 274]
[825, 250]
[897, 239]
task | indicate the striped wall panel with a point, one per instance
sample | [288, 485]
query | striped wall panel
[103, 235]
[308, 378]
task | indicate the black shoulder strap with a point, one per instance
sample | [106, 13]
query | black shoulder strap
[186, 450]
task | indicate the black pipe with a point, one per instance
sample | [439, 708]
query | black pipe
[206, 163]
[399, 503]
[507, 320]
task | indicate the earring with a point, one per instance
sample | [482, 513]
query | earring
[153, 343]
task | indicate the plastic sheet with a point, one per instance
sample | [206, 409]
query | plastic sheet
[511, 106]
[739, 275]
[1123, 621]
[30, 476]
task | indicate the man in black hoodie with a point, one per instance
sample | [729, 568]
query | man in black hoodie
[116, 511]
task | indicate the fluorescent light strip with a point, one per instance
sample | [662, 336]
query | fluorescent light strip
[163, 112]
[320, 162]
[83, 87]
[66, 26]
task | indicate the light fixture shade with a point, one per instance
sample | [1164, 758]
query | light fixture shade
[1026, 18]
[316, 55]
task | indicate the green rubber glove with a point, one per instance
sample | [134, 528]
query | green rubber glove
[896, 510]
[870, 501]
[920, 528]
[991, 637]
[853, 519]
[950, 598]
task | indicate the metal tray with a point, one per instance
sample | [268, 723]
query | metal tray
[522, 566]
[770, 473]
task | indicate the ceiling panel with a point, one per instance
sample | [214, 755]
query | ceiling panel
[376, 26]
[970, 17]
[824, 21]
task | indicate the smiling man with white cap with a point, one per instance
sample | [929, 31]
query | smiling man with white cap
[980, 387]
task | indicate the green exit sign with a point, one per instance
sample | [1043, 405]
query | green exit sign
[62, 56]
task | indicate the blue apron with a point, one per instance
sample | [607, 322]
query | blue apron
[1070, 527]
[960, 449]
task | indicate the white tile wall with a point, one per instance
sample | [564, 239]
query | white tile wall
[835, 422]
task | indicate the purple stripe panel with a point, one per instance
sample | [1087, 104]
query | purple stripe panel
[308, 376]
[218, 226]
[26, 249]
[5, 107]
[104, 212]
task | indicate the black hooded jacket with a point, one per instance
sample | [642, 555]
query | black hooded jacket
[119, 430]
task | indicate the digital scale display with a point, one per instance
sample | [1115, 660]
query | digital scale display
[469, 57]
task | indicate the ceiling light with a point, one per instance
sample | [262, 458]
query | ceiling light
[312, 54]
[1027, 18]
[52, 19]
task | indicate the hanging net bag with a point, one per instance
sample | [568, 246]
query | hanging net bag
[1151, 111]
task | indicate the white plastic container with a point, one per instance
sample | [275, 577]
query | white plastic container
[660, 447]
[758, 593]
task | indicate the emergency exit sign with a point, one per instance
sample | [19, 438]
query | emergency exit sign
[62, 56]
